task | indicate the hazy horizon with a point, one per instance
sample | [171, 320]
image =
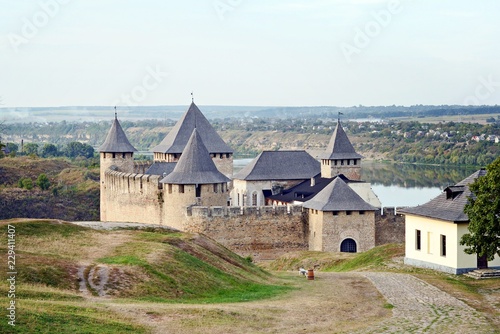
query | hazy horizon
[270, 53]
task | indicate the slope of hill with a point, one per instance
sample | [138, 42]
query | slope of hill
[73, 193]
[62, 267]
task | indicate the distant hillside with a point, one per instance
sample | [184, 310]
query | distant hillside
[73, 193]
[60, 266]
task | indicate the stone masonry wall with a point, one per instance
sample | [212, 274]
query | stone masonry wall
[389, 227]
[356, 226]
[132, 198]
[261, 232]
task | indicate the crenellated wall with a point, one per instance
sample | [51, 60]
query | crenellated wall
[262, 232]
[133, 197]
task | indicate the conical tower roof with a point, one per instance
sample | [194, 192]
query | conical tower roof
[338, 196]
[195, 165]
[116, 141]
[177, 138]
[340, 146]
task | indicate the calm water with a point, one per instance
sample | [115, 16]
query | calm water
[403, 185]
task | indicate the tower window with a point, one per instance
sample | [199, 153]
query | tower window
[181, 189]
[198, 190]
[418, 240]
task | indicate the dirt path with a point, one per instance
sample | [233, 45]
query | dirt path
[94, 277]
[333, 303]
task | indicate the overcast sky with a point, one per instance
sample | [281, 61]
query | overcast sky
[249, 52]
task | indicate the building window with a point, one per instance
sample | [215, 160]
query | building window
[348, 162]
[341, 162]
[429, 237]
[418, 240]
[169, 188]
[335, 162]
[443, 245]
[355, 162]
[254, 198]
[238, 202]
[216, 185]
[361, 212]
[181, 189]
[348, 213]
[335, 213]
[198, 190]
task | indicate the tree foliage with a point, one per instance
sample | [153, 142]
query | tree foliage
[77, 149]
[43, 181]
[31, 148]
[49, 150]
[483, 210]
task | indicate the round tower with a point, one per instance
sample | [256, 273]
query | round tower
[116, 153]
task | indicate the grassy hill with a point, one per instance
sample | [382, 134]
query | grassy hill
[62, 267]
[73, 193]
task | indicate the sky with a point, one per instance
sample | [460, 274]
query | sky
[249, 52]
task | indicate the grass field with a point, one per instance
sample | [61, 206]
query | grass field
[72, 279]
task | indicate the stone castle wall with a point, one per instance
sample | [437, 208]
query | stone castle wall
[264, 232]
[133, 198]
[261, 232]
[389, 227]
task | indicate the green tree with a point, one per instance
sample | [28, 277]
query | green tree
[77, 149]
[49, 150]
[483, 210]
[31, 148]
[43, 182]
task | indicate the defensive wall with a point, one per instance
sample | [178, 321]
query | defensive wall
[264, 232]
[133, 197]
[389, 227]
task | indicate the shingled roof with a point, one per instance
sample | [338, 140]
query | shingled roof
[338, 196]
[340, 146]
[305, 191]
[280, 165]
[177, 138]
[161, 168]
[449, 205]
[116, 141]
[195, 166]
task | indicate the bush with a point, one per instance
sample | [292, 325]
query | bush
[43, 182]
[26, 183]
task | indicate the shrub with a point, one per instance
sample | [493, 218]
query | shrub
[43, 182]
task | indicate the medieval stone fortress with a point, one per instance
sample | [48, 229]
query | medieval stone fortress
[282, 201]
